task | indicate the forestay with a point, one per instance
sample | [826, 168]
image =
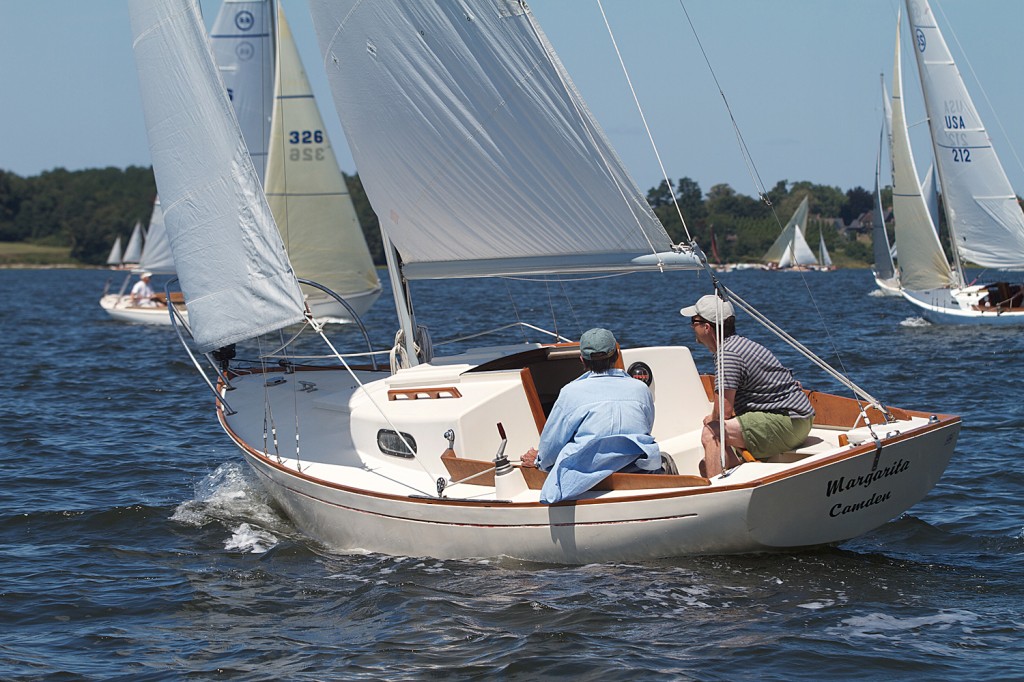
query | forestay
[474, 146]
[234, 272]
[981, 207]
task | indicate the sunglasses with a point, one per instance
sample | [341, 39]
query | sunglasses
[695, 321]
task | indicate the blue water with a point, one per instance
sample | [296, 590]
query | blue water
[135, 545]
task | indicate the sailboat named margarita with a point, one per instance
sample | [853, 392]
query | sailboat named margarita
[482, 160]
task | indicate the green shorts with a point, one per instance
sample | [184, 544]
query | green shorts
[768, 434]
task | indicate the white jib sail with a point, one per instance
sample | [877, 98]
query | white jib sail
[133, 252]
[114, 257]
[474, 146]
[922, 263]
[242, 37]
[233, 268]
[985, 220]
[156, 256]
[305, 188]
[790, 247]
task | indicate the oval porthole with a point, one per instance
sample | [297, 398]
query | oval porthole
[397, 445]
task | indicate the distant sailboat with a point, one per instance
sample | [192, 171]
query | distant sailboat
[790, 250]
[133, 252]
[156, 259]
[884, 270]
[115, 256]
[293, 156]
[984, 219]
[824, 259]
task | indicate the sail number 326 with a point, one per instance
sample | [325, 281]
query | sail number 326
[304, 137]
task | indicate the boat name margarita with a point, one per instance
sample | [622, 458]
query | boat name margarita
[842, 484]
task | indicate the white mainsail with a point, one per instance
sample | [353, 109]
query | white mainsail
[242, 38]
[114, 257]
[307, 191]
[474, 146]
[233, 268]
[923, 264]
[790, 248]
[133, 252]
[985, 221]
[823, 257]
[156, 256]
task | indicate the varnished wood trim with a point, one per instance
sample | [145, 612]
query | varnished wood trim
[423, 393]
[533, 398]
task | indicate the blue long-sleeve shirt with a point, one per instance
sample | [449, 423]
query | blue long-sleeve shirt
[599, 424]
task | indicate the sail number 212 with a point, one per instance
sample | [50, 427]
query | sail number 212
[961, 155]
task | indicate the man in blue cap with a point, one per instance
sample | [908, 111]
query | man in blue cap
[600, 424]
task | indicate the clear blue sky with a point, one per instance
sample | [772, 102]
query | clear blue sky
[801, 77]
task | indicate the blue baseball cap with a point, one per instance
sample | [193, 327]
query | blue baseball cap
[597, 343]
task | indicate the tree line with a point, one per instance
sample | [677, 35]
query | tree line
[86, 210]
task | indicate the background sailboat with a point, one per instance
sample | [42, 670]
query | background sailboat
[286, 137]
[156, 259]
[114, 257]
[790, 249]
[983, 216]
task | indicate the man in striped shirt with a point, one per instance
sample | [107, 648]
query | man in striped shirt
[766, 411]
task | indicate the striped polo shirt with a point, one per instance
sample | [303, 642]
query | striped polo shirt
[762, 384]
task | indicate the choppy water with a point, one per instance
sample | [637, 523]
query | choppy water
[134, 545]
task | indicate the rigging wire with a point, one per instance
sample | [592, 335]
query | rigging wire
[643, 117]
[759, 187]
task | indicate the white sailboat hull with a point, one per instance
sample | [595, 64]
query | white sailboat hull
[888, 287]
[119, 307]
[961, 306]
[350, 498]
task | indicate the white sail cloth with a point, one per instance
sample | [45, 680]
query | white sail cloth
[985, 220]
[923, 263]
[475, 149]
[234, 272]
[790, 248]
[133, 252]
[305, 188]
[156, 256]
[242, 37]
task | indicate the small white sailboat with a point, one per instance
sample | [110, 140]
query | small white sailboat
[984, 219]
[286, 136]
[884, 270]
[133, 251]
[824, 259]
[156, 259]
[790, 250]
[470, 102]
[115, 256]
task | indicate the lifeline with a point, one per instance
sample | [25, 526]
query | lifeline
[841, 484]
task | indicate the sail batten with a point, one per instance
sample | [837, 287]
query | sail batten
[471, 140]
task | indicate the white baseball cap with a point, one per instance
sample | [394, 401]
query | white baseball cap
[707, 307]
